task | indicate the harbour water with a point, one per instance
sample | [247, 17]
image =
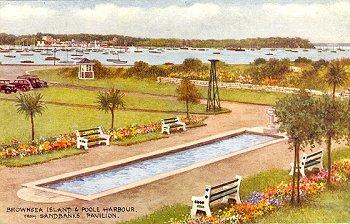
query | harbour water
[158, 56]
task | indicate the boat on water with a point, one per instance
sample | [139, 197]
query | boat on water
[155, 52]
[138, 51]
[270, 53]
[76, 58]
[27, 54]
[201, 49]
[235, 49]
[4, 51]
[216, 52]
[184, 48]
[66, 62]
[52, 59]
[117, 60]
[10, 56]
[27, 61]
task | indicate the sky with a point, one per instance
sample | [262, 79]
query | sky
[325, 21]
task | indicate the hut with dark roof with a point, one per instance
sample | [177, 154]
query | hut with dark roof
[86, 69]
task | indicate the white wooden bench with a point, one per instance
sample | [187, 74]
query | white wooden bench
[225, 191]
[89, 136]
[173, 122]
[309, 161]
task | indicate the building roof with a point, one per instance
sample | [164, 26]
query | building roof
[85, 61]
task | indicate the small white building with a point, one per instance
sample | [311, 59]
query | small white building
[86, 69]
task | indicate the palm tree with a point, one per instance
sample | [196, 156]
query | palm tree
[110, 101]
[336, 75]
[30, 105]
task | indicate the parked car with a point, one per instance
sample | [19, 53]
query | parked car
[22, 84]
[34, 80]
[7, 87]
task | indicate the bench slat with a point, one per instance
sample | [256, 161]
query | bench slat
[223, 193]
[314, 154]
[95, 133]
[88, 129]
[96, 139]
[168, 119]
[311, 163]
[224, 184]
[312, 160]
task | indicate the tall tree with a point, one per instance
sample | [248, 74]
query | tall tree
[110, 101]
[296, 116]
[30, 105]
[333, 117]
[188, 92]
[336, 75]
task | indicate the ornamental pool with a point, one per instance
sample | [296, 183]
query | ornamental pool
[98, 182]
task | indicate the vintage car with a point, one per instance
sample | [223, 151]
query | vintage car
[7, 87]
[22, 84]
[34, 81]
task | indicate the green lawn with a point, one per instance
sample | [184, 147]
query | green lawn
[37, 159]
[64, 95]
[152, 87]
[330, 206]
[61, 119]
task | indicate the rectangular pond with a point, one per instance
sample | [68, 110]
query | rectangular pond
[132, 172]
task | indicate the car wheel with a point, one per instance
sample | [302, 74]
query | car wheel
[7, 91]
[24, 88]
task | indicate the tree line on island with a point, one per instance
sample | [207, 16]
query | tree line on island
[120, 40]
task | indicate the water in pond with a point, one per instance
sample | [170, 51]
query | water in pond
[117, 177]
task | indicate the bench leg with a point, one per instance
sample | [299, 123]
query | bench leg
[291, 169]
[302, 172]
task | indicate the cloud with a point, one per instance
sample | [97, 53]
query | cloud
[326, 21]
[22, 12]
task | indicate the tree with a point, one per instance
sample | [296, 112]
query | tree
[188, 92]
[30, 105]
[110, 101]
[192, 65]
[333, 114]
[296, 116]
[336, 75]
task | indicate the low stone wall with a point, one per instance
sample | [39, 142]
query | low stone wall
[236, 85]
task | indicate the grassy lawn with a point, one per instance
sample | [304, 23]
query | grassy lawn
[37, 159]
[329, 206]
[64, 95]
[140, 138]
[152, 87]
[60, 119]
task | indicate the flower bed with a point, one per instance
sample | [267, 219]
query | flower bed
[259, 204]
[123, 133]
[42, 146]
